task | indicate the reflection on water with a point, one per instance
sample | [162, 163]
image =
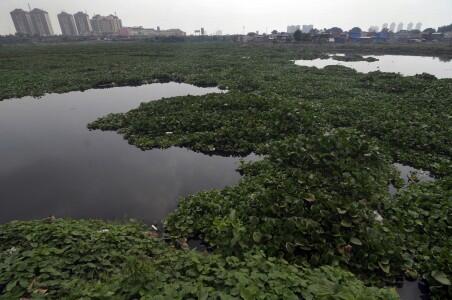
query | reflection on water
[51, 164]
[403, 64]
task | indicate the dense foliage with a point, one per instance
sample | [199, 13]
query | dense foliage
[422, 215]
[410, 116]
[313, 198]
[55, 259]
[318, 197]
[286, 118]
[38, 69]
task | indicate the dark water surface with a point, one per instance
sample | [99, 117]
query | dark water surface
[51, 164]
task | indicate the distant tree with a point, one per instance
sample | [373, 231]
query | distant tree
[415, 31]
[298, 35]
[251, 34]
[444, 29]
[275, 31]
[306, 37]
[356, 30]
[335, 31]
[429, 31]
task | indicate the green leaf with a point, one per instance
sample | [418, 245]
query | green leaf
[310, 198]
[384, 267]
[441, 277]
[257, 236]
[249, 293]
[356, 241]
[11, 285]
[346, 224]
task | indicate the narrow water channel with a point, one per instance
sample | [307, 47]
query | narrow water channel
[51, 164]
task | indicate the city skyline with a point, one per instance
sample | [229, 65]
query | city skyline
[244, 18]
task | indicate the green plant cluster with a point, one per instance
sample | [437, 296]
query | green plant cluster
[211, 123]
[283, 112]
[311, 199]
[33, 70]
[354, 57]
[328, 138]
[422, 215]
[270, 98]
[65, 259]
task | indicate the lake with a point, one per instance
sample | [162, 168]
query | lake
[404, 64]
[51, 164]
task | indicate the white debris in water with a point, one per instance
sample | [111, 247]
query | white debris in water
[103, 230]
[168, 132]
[154, 227]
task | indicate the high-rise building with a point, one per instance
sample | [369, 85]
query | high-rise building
[83, 23]
[67, 24]
[418, 26]
[106, 24]
[392, 27]
[22, 22]
[292, 28]
[41, 22]
[410, 26]
[400, 27]
[307, 28]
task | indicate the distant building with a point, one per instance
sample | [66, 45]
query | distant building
[83, 23]
[407, 36]
[418, 26]
[41, 22]
[22, 22]
[392, 27]
[410, 26]
[67, 24]
[385, 26]
[382, 36]
[292, 28]
[139, 31]
[400, 27]
[280, 36]
[307, 28]
[106, 25]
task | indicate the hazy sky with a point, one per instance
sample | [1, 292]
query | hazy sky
[231, 15]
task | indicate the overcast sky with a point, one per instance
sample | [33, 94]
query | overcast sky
[231, 15]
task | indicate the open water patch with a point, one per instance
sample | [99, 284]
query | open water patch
[51, 164]
[410, 175]
[406, 65]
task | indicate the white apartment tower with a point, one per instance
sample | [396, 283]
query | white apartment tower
[22, 22]
[67, 24]
[41, 22]
[83, 23]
